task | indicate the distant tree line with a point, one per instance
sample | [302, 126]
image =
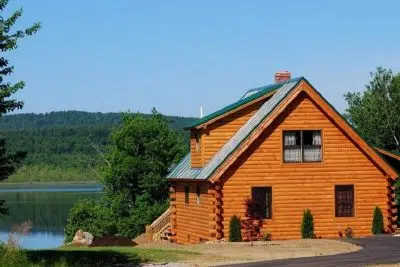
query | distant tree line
[59, 145]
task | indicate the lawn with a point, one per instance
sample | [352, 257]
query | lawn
[106, 256]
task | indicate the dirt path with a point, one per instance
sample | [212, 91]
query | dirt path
[230, 253]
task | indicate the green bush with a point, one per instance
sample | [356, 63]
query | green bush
[267, 237]
[349, 232]
[92, 217]
[235, 232]
[12, 256]
[307, 225]
[377, 221]
[112, 217]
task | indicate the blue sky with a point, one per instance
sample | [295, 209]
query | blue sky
[98, 55]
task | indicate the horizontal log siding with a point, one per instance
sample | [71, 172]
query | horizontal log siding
[195, 155]
[193, 220]
[219, 132]
[296, 187]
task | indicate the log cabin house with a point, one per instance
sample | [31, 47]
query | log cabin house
[285, 147]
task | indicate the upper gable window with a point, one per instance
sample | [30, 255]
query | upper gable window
[302, 146]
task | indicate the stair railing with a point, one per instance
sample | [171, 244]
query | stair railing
[154, 230]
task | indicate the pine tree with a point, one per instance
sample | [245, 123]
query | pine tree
[377, 221]
[235, 231]
[307, 225]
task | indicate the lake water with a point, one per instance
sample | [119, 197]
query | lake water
[47, 207]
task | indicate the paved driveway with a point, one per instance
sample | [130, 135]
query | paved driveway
[377, 250]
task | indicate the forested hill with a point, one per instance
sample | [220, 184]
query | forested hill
[60, 119]
[59, 143]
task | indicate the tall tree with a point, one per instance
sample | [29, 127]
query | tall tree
[135, 165]
[374, 113]
[9, 41]
[141, 152]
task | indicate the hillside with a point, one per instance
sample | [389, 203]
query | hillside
[59, 143]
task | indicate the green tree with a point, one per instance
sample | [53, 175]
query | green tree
[235, 229]
[307, 225]
[377, 221]
[374, 113]
[141, 152]
[8, 42]
[135, 165]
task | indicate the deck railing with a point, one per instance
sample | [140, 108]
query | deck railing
[155, 231]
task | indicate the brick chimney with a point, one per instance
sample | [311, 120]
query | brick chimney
[282, 76]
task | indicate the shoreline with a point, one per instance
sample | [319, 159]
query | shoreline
[88, 182]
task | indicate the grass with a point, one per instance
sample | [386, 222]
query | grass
[105, 256]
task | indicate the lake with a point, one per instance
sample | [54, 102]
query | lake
[47, 207]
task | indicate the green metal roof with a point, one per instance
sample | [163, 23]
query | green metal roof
[248, 97]
[184, 171]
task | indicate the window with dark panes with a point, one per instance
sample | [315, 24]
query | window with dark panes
[186, 194]
[344, 200]
[263, 197]
[302, 146]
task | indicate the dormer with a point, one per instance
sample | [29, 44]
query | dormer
[210, 133]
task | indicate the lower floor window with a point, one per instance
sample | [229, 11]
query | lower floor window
[262, 196]
[344, 200]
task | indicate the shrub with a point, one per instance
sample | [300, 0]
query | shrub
[252, 222]
[377, 221]
[267, 237]
[91, 217]
[12, 256]
[307, 225]
[349, 232]
[235, 231]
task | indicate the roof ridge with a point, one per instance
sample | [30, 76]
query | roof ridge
[263, 90]
[264, 87]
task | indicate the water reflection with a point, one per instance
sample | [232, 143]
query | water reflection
[46, 207]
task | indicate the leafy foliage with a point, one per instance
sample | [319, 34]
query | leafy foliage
[377, 221]
[252, 222]
[13, 256]
[307, 225]
[374, 113]
[235, 231]
[349, 232]
[92, 217]
[8, 42]
[136, 192]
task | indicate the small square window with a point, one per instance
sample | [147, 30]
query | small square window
[302, 146]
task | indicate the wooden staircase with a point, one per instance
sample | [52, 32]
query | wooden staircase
[160, 229]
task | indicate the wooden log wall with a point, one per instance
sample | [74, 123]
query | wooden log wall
[172, 204]
[297, 186]
[192, 220]
[215, 135]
